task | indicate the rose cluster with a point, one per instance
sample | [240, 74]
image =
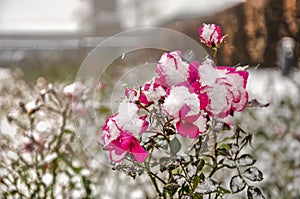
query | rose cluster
[185, 94]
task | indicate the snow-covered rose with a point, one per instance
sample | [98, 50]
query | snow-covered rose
[172, 69]
[211, 35]
[184, 106]
[121, 133]
[225, 88]
[151, 92]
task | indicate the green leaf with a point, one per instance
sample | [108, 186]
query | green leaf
[246, 160]
[200, 164]
[68, 131]
[237, 184]
[225, 146]
[104, 110]
[223, 191]
[253, 174]
[196, 181]
[87, 184]
[222, 151]
[197, 196]
[175, 146]
[171, 186]
[254, 193]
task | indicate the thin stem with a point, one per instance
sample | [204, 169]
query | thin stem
[214, 51]
[185, 173]
[154, 182]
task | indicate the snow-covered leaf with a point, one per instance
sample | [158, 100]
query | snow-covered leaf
[245, 160]
[255, 103]
[228, 163]
[234, 148]
[179, 179]
[237, 184]
[191, 170]
[254, 193]
[253, 174]
[206, 186]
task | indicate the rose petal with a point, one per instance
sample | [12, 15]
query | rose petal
[139, 153]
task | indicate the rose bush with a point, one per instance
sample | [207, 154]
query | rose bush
[185, 100]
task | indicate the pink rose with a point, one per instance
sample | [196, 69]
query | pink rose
[184, 107]
[120, 142]
[190, 126]
[172, 69]
[126, 143]
[211, 35]
[225, 88]
[151, 92]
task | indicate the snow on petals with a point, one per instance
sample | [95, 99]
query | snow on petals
[211, 35]
[225, 88]
[128, 119]
[151, 92]
[184, 107]
[119, 141]
[172, 69]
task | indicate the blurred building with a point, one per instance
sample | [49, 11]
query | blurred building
[62, 33]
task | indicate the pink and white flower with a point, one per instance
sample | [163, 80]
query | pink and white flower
[126, 143]
[190, 126]
[172, 69]
[225, 88]
[151, 92]
[121, 133]
[184, 107]
[211, 35]
[129, 120]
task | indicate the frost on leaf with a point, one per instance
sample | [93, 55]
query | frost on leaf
[234, 148]
[246, 160]
[237, 184]
[191, 170]
[206, 187]
[253, 174]
[228, 163]
[179, 179]
[254, 193]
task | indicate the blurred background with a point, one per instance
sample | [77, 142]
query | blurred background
[51, 37]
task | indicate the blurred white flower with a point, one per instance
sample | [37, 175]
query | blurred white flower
[49, 158]
[47, 179]
[74, 90]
